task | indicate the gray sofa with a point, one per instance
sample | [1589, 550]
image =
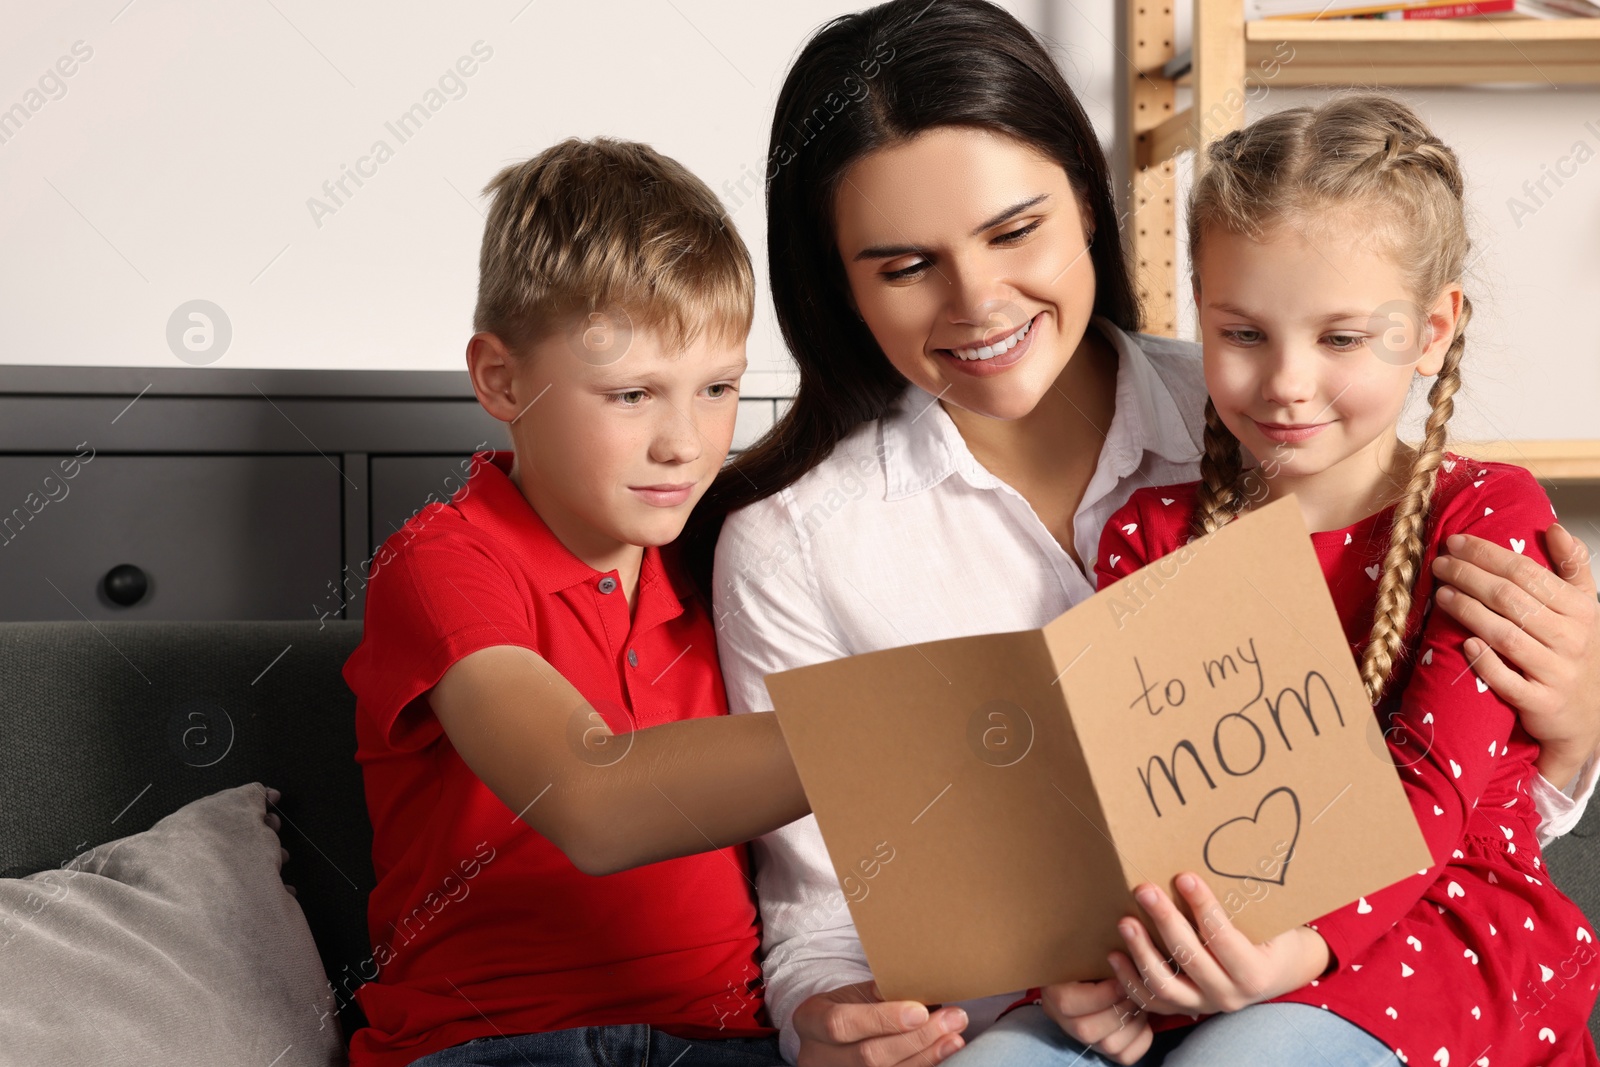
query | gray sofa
[107, 727]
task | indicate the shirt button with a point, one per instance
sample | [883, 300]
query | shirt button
[608, 584]
[633, 658]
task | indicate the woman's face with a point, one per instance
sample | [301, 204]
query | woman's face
[967, 258]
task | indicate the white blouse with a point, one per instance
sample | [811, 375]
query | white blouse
[899, 537]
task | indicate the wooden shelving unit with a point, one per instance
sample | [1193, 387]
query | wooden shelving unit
[1557, 462]
[1426, 52]
[1231, 58]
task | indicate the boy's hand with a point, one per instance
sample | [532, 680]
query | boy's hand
[853, 1026]
[1538, 643]
[1223, 971]
[1100, 1014]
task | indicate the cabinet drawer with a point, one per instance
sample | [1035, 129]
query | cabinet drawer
[208, 537]
[403, 485]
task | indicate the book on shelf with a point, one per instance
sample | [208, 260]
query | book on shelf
[1496, 9]
[1448, 11]
[1419, 9]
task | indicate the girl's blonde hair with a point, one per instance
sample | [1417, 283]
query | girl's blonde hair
[1365, 153]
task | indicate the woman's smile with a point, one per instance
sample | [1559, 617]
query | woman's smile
[1005, 351]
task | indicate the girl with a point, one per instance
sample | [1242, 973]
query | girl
[974, 403]
[1328, 247]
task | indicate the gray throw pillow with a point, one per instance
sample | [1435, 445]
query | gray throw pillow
[176, 946]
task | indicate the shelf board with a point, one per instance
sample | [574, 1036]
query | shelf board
[1423, 52]
[1548, 461]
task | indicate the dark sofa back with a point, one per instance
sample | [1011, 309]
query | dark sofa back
[107, 727]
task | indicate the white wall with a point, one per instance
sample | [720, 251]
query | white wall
[178, 159]
[178, 163]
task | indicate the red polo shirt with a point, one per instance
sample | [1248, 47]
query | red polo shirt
[479, 925]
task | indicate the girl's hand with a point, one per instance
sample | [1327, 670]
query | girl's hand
[1099, 1014]
[1222, 971]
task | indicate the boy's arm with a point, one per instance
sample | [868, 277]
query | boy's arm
[611, 802]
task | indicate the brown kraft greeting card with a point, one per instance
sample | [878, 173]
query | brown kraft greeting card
[990, 802]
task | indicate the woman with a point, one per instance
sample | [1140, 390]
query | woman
[974, 403]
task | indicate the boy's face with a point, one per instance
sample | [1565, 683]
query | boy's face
[616, 440]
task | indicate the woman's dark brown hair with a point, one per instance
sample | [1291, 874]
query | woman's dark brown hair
[861, 83]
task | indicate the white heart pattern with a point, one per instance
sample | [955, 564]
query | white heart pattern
[1483, 686]
[1488, 511]
[1545, 973]
[1114, 558]
[1454, 890]
[1347, 539]
[1362, 907]
[1455, 769]
[1427, 717]
[1476, 1014]
[1415, 944]
[1391, 1013]
[1427, 657]
[1518, 544]
[1477, 484]
[1373, 571]
[1492, 879]
[1437, 810]
[1128, 529]
[1583, 935]
[1547, 1034]
[1442, 1057]
[1492, 930]
[1507, 831]
[1468, 954]
[1166, 500]
[1449, 465]
[1406, 971]
[1527, 923]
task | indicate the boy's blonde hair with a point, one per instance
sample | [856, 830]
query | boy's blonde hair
[1357, 152]
[608, 226]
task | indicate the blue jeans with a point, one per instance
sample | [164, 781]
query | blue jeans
[635, 1045]
[1266, 1034]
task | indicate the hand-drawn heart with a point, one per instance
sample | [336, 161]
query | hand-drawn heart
[1242, 847]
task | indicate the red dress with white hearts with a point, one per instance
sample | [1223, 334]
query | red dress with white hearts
[1479, 959]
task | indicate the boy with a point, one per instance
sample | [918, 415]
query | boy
[516, 637]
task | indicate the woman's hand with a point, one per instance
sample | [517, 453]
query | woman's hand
[1099, 1014]
[852, 1026]
[1223, 971]
[1538, 643]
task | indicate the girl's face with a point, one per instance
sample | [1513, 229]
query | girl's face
[967, 258]
[1312, 339]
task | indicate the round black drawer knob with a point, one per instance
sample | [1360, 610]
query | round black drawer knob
[126, 584]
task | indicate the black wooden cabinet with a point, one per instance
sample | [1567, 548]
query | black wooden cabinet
[209, 494]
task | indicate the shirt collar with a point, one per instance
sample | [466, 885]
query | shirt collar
[1147, 416]
[493, 503]
[923, 447]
